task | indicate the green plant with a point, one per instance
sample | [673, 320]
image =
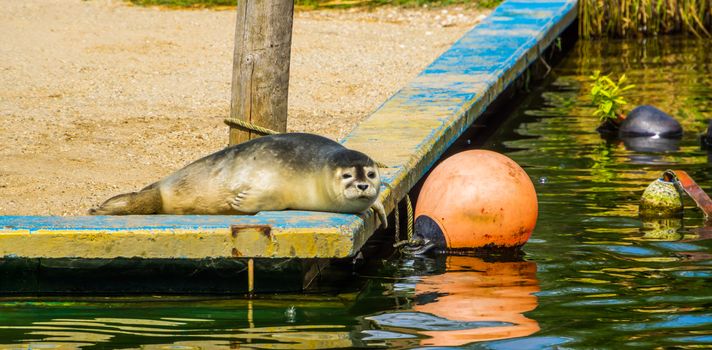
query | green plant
[607, 95]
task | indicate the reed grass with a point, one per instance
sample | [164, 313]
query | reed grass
[630, 18]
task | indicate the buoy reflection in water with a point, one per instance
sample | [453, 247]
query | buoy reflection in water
[471, 301]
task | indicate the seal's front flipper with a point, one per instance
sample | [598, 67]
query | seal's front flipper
[250, 200]
[377, 207]
[143, 202]
[238, 202]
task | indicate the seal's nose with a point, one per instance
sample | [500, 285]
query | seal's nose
[362, 187]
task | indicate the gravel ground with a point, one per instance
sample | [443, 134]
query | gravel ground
[99, 97]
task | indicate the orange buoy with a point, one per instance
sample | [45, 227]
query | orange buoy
[476, 199]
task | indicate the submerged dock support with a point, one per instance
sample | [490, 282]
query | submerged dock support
[250, 276]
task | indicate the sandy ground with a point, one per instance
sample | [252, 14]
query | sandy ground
[99, 97]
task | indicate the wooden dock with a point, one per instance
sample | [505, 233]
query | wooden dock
[408, 133]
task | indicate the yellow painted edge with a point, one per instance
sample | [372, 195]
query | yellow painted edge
[301, 243]
[127, 244]
[175, 243]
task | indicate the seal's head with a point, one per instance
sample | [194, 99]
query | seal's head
[355, 179]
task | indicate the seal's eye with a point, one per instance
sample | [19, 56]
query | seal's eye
[371, 174]
[346, 176]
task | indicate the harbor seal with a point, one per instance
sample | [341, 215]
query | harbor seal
[277, 172]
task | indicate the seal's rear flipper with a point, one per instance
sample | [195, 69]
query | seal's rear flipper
[144, 202]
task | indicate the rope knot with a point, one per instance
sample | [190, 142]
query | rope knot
[243, 124]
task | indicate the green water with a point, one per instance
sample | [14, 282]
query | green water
[593, 275]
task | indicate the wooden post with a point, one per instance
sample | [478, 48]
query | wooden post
[260, 73]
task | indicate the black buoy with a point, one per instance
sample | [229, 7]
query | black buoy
[651, 144]
[648, 121]
[427, 229]
[706, 138]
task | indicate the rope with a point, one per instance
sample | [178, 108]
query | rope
[410, 246]
[396, 213]
[541, 58]
[409, 207]
[409, 232]
[249, 126]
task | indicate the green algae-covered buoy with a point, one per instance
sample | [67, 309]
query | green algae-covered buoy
[661, 199]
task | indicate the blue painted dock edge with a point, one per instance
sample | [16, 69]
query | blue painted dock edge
[408, 133]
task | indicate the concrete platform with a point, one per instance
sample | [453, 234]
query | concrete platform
[408, 133]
